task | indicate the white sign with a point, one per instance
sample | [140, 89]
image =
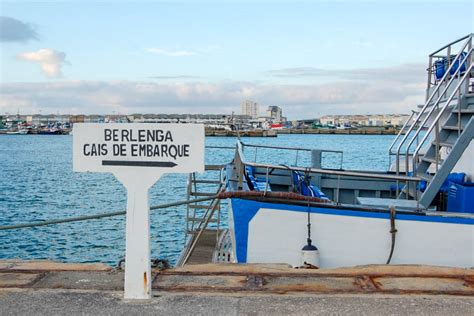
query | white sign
[113, 147]
[138, 154]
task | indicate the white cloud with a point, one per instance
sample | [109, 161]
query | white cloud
[401, 73]
[178, 53]
[49, 59]
[173, 77]
[395, 89]
[297, 100]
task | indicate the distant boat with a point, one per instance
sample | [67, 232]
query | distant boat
[18, 132]
[277, 126]
[49, 131]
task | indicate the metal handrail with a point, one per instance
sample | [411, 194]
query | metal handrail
[452, 43]
[427, 103]
[400, 132]
[440, 113]
[436, 104]
[324, 171]
[297, 149]
[202, 226]
[291, 148]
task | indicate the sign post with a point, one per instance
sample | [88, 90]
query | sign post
[138, 155]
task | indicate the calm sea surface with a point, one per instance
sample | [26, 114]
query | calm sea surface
[37, 184]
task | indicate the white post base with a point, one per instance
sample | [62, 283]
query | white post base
[137, 248]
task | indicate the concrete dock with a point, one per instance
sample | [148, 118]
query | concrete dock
[43, 287]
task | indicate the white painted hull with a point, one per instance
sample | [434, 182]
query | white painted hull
[278, 235]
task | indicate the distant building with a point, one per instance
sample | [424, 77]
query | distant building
[380, 120]
[249, 108]
[275, 113]
[77, 118]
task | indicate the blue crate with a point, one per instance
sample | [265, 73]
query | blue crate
[461, 197]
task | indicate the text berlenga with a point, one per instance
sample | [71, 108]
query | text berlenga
[137, 143]
[141, 135]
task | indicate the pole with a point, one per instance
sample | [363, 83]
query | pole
[137, 233]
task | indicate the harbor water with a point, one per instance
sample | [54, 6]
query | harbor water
[37, 184]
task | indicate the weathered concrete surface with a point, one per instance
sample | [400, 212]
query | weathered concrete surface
[60, 302]
[82, 280]
[49, 274]
[18, 279]
[257, 278]
[47, 265]
[282, 279]
[230, 289]
[373, 270]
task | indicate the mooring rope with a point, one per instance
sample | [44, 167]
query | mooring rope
[393, 232]
[102, 215]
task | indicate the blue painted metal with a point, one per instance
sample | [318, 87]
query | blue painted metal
[461, 198]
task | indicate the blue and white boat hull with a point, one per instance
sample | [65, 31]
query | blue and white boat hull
[275, 233]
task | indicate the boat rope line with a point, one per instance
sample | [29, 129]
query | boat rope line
[308, 183]
[393, 232]
[102, 215]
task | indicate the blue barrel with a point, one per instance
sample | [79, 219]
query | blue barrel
[440, 68]
[456, 64]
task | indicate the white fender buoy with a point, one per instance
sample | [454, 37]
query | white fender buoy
[310, 255]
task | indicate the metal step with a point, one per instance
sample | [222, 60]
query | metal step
[214, 167]
[444, 143]
[452, 127]
[200, 219]
[207, 232]
[457, 150]
[464, 111]
[426, 177]
[206, 181]
[432, 160]
[443, 100]
[197, 206]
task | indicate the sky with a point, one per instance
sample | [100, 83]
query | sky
[309, 57]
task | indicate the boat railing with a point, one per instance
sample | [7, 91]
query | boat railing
[443, 55]
[297, 151]
[240, 163]
[447, 77]
[224, 252]
[396, 139]
[456, 77]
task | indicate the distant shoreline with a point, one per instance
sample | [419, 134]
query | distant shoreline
[322, 131]
[266, 133]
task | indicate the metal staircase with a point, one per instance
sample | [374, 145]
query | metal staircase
[206, 186]
[444, 126]
[203, 219]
